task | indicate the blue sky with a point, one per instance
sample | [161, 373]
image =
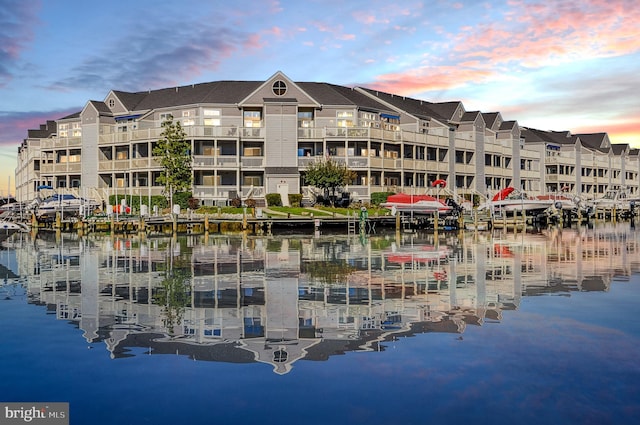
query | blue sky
[555, 65]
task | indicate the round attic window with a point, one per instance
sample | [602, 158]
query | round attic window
[279, 88]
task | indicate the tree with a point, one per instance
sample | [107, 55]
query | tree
[329, 176]
[174, 297]
[175, 158]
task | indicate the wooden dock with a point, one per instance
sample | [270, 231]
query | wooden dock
[200, 224]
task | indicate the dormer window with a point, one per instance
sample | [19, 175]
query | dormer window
[279, 88]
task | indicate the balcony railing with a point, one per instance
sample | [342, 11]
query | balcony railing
[434, 136]
[220, 192]
[305, 161]
[252, 161]
[358, 162]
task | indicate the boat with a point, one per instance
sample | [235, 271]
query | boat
[511, 200]
[66, 204]
[568, 204]
[8, 228]
[14, 207]
[619, 200]
[419, 204]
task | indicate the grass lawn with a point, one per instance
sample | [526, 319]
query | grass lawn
[305, 212]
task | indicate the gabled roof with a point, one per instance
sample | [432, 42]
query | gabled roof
[471, 116]
[619, 148]
[508, 125]
[129, 100]
[447, 109]
[490, 118]
[596, 141]
[101, 107]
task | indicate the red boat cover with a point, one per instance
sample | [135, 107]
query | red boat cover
[439, 183]
[403, 198]
[502, 194]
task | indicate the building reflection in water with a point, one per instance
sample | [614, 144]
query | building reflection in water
[281, 299]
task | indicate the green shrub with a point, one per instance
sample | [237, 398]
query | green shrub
[378, 197]
[134, 201]
[182, 199]
[274, 200]
[295, 199]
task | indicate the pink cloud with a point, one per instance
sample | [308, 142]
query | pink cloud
[254, 41]
[428, 79]
[364, 18]
[276, 31]
[625, 131]
[545, 33]
[346, 37]
[14, 126]
[367, 18]
[538, 35]
[335, 30]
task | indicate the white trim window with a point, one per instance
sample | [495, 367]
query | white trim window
[63, 130]
[344, 118]
[252, 118]
[211, 117]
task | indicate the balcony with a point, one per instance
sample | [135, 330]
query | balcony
[204, 161]
[253, 192]
[218, 193]
[305, 161]
[358, 162]
[437, 137]
[439, 166]
[310, 133]
[227, 161]
[347, 132]
[252, 161]
[391, 163]
[252, 132]
[114, 165]
[138, 163]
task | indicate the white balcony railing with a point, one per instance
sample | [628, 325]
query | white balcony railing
[252, 161]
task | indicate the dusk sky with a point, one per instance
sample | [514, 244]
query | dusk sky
[552, 65]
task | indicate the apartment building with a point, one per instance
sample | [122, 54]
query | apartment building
[250, 138]
[588, 164]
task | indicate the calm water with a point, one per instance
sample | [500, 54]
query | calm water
[385, 329]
